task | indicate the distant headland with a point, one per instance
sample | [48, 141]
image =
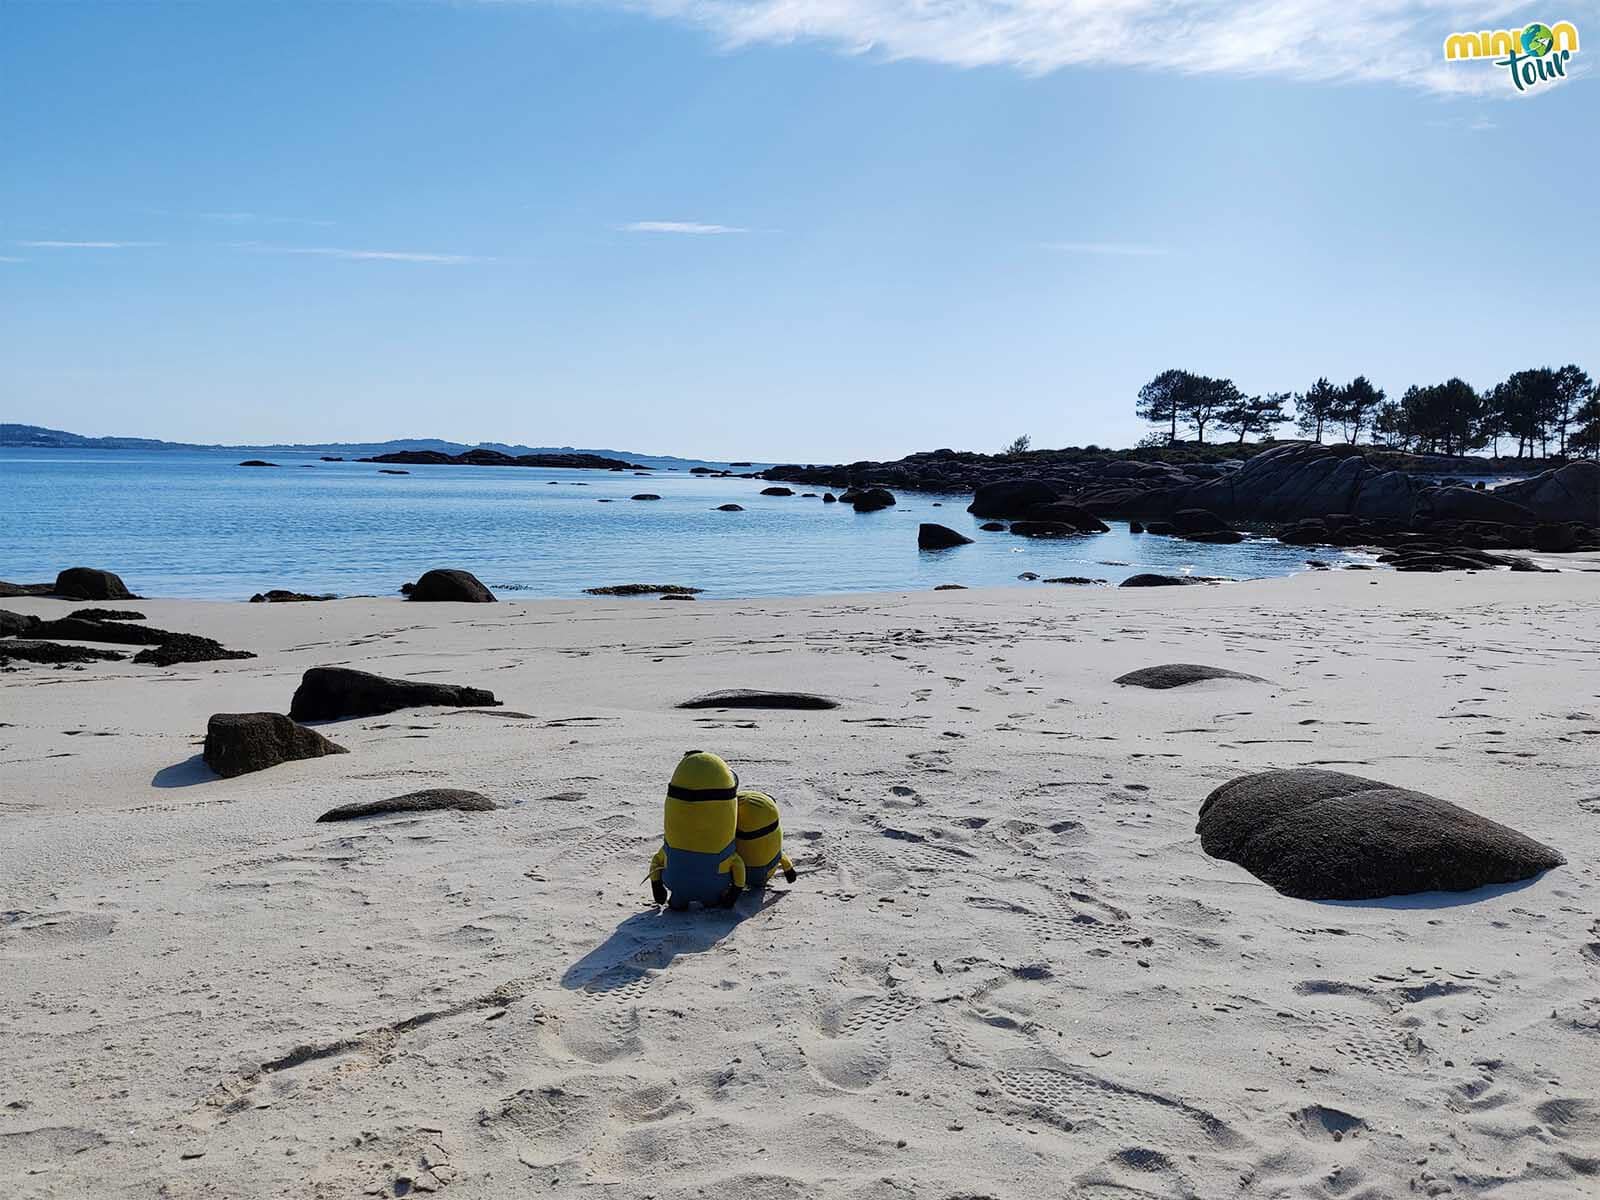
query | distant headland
[436, 450]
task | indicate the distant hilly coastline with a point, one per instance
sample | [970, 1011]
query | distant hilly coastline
[38, 437]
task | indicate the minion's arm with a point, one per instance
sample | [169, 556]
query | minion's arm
[658, 863]
[787, 867]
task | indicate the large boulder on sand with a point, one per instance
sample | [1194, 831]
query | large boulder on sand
[427, 800]
[1324, 835]
[331, 693]
[939, 537]
[450, 585]
[87, 583]
[1171, 675]
[238, 743]
[1011, 499]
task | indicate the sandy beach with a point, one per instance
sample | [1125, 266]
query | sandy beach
[1007, 968]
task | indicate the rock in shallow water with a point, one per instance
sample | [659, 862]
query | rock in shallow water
[428, 800]
[239, 743]
[332, 693]
[1171, 675]
[1011, 498]
[1325, 835]
[939, 537]
[870, 499]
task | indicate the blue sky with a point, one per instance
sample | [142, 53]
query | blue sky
[786, 229]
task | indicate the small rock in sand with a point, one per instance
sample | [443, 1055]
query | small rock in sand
[283, 596]
[428, 800]
[1171, 675]
[239, 743]
[332, 693]
[80, 629]
[106, 614]
[748, 698]
[177, 648]
[13, 624]
[52, 652]
[1148, 580]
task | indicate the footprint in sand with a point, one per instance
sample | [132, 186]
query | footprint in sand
[860, 1035]
[1318, 1122]
[1358, 1029]
[1071, 1097]
[604, 1023]
[551, 1127]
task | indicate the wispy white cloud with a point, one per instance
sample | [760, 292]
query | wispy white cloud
[52, 245]
[251, 218]
[1110, 249]
[1478, 124]
[1399, 41]
[11, 258]
[410, 256]
[693, 227]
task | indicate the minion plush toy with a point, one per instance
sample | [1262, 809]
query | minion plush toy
[698, 859]
[760, 839]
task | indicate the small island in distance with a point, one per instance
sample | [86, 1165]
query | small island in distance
[394, 450]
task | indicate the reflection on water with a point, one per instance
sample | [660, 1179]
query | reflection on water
[175, 523]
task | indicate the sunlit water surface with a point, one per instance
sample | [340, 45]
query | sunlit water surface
[196, 524]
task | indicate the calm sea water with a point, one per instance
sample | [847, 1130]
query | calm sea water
[196, 524]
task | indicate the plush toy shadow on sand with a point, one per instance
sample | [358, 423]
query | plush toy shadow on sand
[716, 839]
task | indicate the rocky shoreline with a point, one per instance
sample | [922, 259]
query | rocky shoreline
[1311, 494]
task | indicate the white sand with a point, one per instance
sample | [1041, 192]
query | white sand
[1007, 970]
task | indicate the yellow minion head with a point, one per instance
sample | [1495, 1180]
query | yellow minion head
[703, 776]
[701, 810]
